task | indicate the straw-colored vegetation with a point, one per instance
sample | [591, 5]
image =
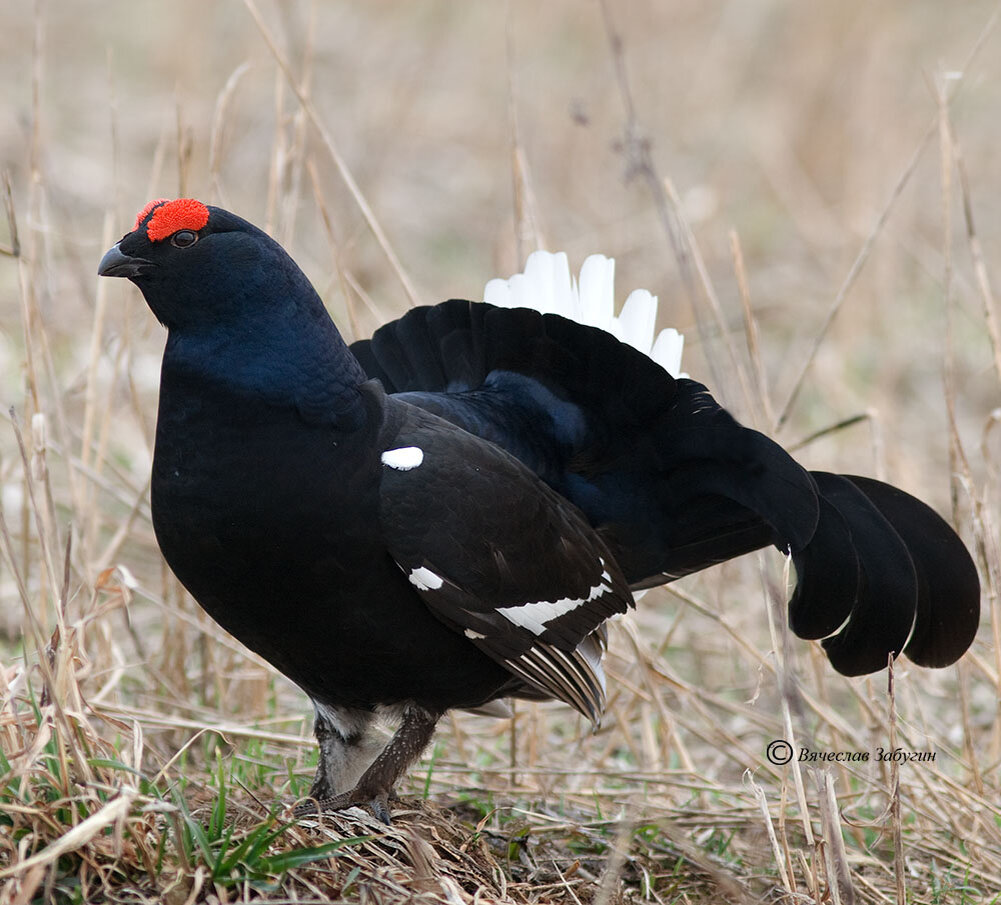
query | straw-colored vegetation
[811, 189]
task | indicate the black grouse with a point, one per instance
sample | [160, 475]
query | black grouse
[447, 514]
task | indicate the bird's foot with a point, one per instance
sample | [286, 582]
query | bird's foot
[377, 800]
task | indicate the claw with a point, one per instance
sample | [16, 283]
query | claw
[380, 807]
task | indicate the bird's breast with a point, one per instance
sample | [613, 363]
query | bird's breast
[251, 497]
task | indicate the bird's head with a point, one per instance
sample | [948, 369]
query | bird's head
[236, 305]
[200, 266]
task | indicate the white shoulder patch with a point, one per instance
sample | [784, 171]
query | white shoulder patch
[425, 580]
[404, 458]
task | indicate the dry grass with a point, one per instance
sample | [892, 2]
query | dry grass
[770, 170]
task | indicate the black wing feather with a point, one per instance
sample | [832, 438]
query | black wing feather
[498, 556]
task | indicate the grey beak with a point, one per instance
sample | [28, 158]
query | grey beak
[116, 264]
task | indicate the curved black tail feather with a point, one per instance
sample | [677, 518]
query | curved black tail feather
[948, 604]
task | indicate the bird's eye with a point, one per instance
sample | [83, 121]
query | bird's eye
[183, 238]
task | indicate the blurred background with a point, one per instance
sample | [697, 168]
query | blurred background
[813, 138]
[788, 124]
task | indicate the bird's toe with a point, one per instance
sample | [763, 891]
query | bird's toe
[376, 800]
[380, 807]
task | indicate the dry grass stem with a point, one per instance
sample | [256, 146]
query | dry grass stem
[335, 155]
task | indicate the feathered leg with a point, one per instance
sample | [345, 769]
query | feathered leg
[345, 748]
[375, 787]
